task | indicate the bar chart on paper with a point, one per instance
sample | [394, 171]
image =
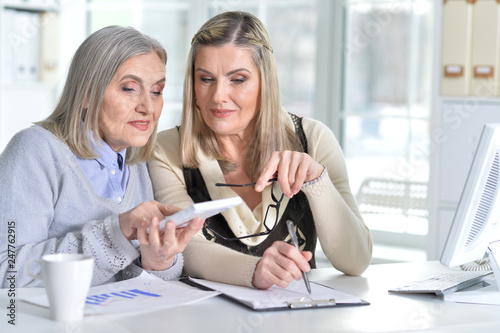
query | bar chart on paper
[143, 293]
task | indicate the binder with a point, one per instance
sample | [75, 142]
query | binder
[23, 40]
[49, 47]
[485, 49]
[294, 297]
[456, 47]
[8, 54]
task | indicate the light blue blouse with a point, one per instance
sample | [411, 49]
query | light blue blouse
[108, 173]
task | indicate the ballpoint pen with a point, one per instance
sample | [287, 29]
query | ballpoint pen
[293, 235]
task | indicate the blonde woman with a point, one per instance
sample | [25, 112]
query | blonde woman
[77, 182]
[235, 139]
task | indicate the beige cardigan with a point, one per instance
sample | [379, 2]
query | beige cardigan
[344, 238]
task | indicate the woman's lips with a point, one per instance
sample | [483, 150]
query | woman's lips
[141, 125]
[222, 113]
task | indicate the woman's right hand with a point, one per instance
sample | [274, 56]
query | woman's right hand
[158, 248]
[293, 170]
[142, 215]
[281, 264]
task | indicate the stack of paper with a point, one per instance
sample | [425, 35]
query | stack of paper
[143, 293]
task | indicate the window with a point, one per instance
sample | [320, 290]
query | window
[291, 26]
[386, 103]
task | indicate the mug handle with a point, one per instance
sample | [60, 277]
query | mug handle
[27, 269]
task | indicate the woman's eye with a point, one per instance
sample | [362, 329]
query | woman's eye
[127, 89]
[239, 80]
[207, 79]
[157, 89]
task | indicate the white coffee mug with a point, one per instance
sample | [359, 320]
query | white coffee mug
[67, 279]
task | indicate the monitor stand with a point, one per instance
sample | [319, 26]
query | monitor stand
[486, 295]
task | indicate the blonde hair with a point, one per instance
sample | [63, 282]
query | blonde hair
[243, 30]
[92, 68]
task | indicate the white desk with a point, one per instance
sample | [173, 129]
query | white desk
[387, 312]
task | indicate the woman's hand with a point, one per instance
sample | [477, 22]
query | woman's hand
[293, 170]
[142, 215]
[281, 264]
[159, 248]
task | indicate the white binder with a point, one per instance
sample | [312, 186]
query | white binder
[456, 48]
[485, 49]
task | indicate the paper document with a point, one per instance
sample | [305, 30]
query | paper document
[143, 293]
[474, 297]
[487, 293]
[295, 296]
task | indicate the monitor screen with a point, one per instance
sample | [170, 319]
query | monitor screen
[477, 218]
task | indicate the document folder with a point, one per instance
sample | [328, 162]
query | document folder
[49, 47]
[275, 298]
[456, 48]
[485, 49]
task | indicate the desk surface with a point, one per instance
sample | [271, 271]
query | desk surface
[387, 312]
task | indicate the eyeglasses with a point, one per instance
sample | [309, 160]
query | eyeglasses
[276, 205]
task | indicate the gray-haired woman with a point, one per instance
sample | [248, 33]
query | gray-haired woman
[77, 181]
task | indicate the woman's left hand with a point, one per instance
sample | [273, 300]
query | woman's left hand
[159, 248]
[293, 170]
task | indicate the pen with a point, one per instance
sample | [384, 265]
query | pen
[295, 241]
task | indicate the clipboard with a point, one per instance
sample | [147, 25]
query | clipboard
[294, 297]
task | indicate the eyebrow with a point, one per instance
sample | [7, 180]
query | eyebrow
[227, 74]
[140, 80]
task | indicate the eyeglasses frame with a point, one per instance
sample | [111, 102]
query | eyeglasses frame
[276, 205]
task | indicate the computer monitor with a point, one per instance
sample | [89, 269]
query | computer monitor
[475, 230]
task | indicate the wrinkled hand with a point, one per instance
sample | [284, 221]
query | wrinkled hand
[281, 264]
[159, 248]
[293, 170]
[142, 215]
